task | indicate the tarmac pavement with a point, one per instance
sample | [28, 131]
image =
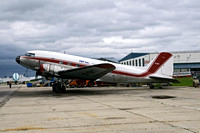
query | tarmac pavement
[6, 93]
[99, 109]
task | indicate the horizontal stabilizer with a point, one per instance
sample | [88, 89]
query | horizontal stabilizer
[164, 79]
[89, 72]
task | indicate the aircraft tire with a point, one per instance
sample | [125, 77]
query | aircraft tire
[91, 84]
[54, 86]
[151, 86]
[58, 88]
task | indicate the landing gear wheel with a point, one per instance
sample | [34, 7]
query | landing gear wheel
[151, 86]
[91, 84]
[58, 88]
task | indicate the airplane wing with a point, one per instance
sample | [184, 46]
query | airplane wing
[164, 79]
[6, 79]
[92, 72]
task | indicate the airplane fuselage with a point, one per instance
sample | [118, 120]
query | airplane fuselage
[50, 63]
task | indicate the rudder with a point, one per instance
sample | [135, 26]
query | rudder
[162, 65]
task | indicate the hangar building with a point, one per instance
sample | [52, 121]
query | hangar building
[185, 62]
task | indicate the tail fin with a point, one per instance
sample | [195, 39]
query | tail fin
[162, 65]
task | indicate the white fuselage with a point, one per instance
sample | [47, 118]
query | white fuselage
[121, 74]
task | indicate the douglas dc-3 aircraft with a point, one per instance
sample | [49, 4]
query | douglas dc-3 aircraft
[65, 66]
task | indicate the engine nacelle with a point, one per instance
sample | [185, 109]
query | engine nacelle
[51, 68]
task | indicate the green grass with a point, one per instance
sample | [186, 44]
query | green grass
[184, 81]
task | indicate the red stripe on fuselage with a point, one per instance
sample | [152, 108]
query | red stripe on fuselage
[158, 62]
[57, 61]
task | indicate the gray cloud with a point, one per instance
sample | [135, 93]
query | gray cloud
[94, 28]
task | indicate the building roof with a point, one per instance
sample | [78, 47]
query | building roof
[105, 59]
[132, 55]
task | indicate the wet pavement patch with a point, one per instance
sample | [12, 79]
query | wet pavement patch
[125, 108]
[163, 97]
[109, 118]
[23, 129]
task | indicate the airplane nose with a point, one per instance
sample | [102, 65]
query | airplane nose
[18, 59]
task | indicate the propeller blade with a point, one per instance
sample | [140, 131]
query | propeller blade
[36, 74]
[26, 73]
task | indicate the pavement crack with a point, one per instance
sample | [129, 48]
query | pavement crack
[6, 99]
[127, 110]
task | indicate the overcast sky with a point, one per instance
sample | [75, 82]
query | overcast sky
[98, 28]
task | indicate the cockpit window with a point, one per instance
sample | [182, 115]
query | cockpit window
[30, 54]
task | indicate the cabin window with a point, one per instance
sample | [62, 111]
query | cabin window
[130, 63]
[30, 54]
[136, 62]
[133, 63]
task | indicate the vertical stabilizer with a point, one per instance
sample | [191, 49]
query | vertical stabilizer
[162, 65]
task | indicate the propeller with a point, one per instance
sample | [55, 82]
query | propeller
[26, 73]
[36, 74]
[39, 71]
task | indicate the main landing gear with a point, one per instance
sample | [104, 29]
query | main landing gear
[152, 86]
[59, 87]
